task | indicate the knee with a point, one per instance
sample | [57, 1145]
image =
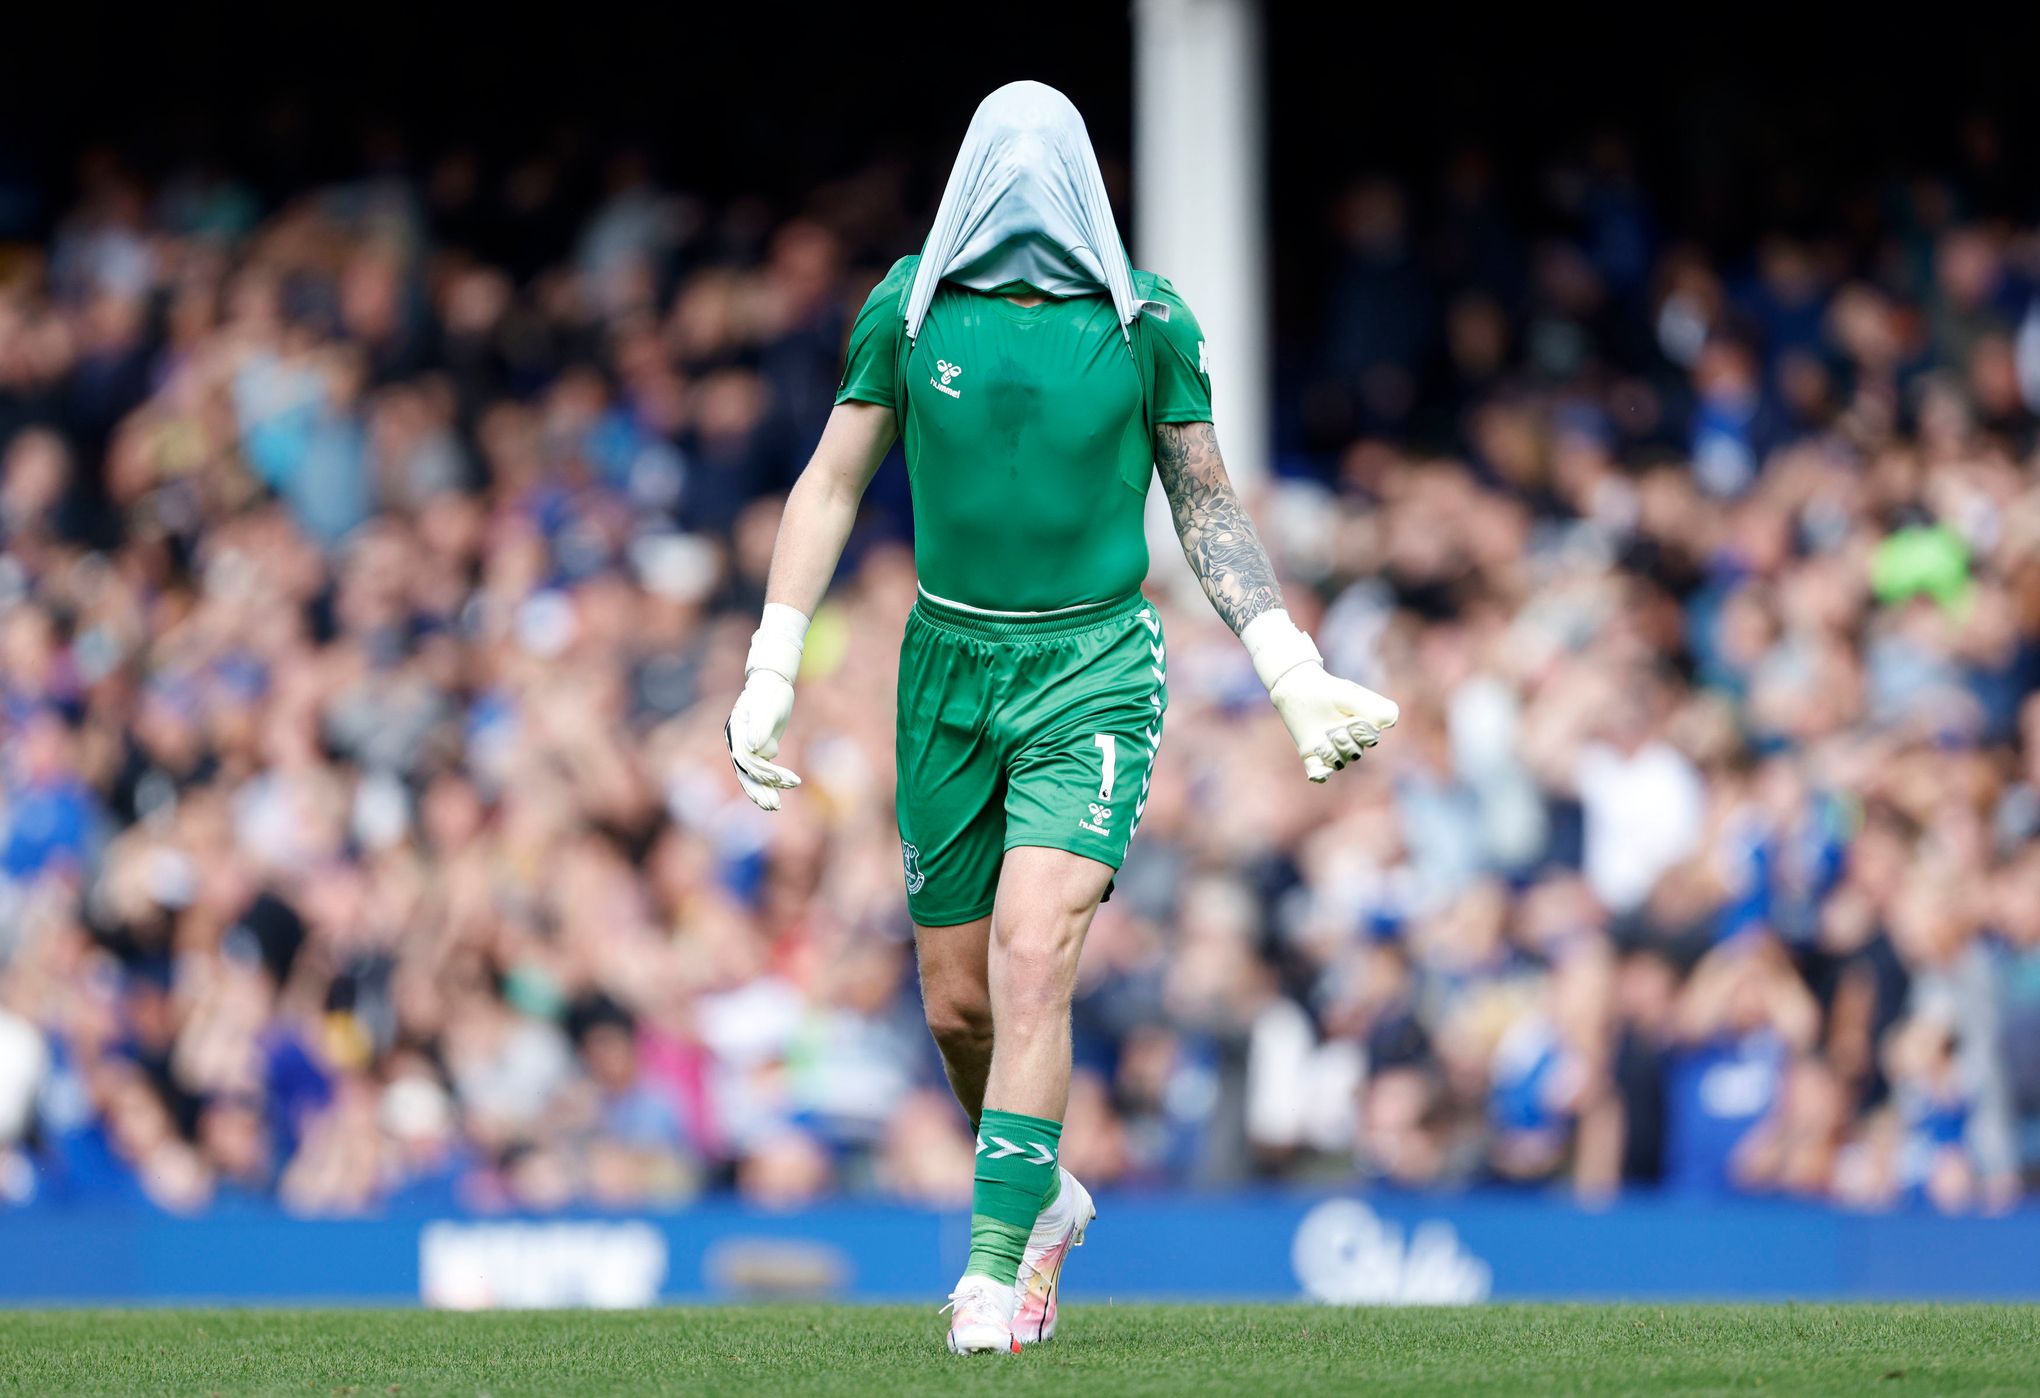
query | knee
[960, 1024]
[1038, 962]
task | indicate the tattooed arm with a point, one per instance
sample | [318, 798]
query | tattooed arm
[1331, 720]
[1218, 538]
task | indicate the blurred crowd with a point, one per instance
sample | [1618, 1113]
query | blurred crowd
[378, 565]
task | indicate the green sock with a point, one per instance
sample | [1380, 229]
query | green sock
[1015, 1174]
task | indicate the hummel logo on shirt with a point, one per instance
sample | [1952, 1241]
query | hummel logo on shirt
[948, 372]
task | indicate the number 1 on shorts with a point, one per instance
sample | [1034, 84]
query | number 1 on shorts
[1109, 747]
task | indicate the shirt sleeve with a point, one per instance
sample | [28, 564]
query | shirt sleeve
[1182, 379]
[871, 365]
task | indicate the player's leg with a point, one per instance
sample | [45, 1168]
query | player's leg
[959, 1013]
[952, 822]
[1088, 710]
[1047, 898]
[949, 800]
[957, 999]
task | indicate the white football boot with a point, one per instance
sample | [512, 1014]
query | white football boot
[981, 1317]
[1060, 1228]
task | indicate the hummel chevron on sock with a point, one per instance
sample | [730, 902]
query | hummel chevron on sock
[1015, 1173]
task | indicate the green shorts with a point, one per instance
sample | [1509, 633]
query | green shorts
[1037, 730]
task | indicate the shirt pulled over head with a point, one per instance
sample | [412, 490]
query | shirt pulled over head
[1025, 208]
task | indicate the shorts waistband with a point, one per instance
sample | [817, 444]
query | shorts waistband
[1031, 626]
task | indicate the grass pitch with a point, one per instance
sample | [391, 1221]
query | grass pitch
[897, 1351]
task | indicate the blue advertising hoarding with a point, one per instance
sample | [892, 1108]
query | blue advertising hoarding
[1342, 1250]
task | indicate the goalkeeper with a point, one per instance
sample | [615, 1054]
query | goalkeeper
[1041, 384]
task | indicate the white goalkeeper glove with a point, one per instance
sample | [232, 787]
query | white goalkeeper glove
[765, 705]
[1332, 721]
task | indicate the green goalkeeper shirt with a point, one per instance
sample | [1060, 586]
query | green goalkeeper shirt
[1027, 434]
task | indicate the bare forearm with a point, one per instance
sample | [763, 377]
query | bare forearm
[1218, 539]
[822, 506]
[812, 531]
